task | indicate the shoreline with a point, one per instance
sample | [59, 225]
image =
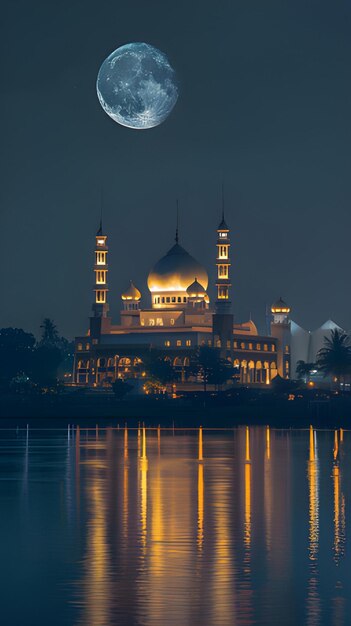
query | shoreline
[276, 412]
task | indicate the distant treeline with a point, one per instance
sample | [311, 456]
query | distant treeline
[31, 366]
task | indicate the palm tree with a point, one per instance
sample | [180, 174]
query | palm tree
[334, 359]
[49, 333]
[304, 369]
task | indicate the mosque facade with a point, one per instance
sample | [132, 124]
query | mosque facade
[177, 320]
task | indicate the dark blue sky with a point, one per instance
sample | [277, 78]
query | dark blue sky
[265, 98]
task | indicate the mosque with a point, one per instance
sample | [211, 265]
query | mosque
[176, 319]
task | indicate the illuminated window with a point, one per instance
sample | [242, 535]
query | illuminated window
[258, 346]
[172, 321]
[242, 345]
[286, 349]
[265, 347]
[101, 296]
[167, 343]
[228, 344]
[223, 292]
[273, 347]
[223, 252]
[95, 342]
[218, 343]
[223, 271]
[159, 321]
[209, 342]
[142, 322]
[151, 321]
[235, 344]
[188, 342]
[101, 277]
[223, 235]
[79, 346]
[100, 258]
[250, 346]
[87, 346]
[179, 343]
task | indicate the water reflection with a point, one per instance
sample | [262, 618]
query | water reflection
[247, 526]
[313, 597]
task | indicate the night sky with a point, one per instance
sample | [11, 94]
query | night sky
[265, 99]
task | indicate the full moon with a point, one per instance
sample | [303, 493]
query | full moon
[136, 86]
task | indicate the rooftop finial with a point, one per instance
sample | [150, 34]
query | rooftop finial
[223, 200]
[177, 228]
[223, 224]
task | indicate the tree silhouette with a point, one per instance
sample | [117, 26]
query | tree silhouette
[304, 369]
[49, 333]
[210, 367]
[159, 371]
[334, 359]
[120, 388]
[16, 352]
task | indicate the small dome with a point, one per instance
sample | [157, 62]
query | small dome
[280, 307]
[175, 271]
[196, 289]
[132, 293]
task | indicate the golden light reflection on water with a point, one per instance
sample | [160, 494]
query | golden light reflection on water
[268, 502]
[339, 515]
[200, 506]
[313, 594]
[182, 537]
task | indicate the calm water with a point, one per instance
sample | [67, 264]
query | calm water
[101, 528]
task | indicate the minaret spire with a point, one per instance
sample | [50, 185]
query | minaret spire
[99, 232]
[222, 200]
[177, 227]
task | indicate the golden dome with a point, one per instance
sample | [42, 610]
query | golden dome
[132, 293]
[280, 307]
[175, 271]
[196, 290]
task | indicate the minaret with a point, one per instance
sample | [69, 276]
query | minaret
[281, 329]
[223, 304]
[223, 320]
[100, 306]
